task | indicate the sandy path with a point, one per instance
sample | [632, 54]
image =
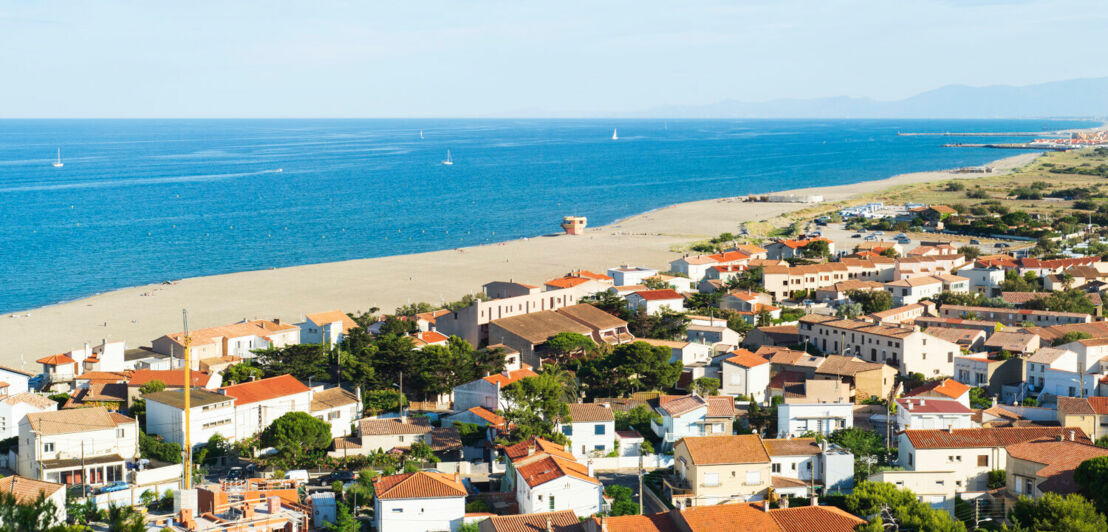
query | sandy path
[387, 282]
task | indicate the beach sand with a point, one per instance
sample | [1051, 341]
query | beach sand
[140, 314]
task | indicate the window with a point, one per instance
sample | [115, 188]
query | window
[551, 502]
[982, 460]
[397, 510]
[753, 478]
[736, 378]
[776, 468]
[567, 430]
[598, 429]
[401, 437]
[910, 459]
[120, 433]
[48, 447]
[711, 479]
[794, 466]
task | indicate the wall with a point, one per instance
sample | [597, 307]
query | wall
[419, 515]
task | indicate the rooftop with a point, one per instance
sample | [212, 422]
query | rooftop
[589, 413]
[717, 450]
[265, 389]
[983, 437]
[197, 399]
[538, 327]
[946, 387]
[659, 295]
[418, 485]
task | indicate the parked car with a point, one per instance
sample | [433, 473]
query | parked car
[903, 240]
[856, 235]
[235, 473]
[342, 476]
[1001, 245]
[975, 242]
[299, 475]
[114, 486]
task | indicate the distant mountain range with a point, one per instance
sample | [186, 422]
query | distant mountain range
[1069, 98]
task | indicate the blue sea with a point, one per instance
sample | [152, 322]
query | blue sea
[141, 201]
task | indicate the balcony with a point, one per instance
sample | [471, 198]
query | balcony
[676, 487]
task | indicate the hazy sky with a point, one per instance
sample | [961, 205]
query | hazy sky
[519, 58]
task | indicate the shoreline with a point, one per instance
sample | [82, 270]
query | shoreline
[140, 314]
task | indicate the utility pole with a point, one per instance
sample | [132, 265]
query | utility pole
[188, 396]
[640, 483]
[84, 473]
[976, 513]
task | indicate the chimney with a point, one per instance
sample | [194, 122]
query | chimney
[994, 401]
[950, 429]
[603, 524]
[1071, 435]
[530, 448]
[764, 505]
[277, 321]
[549, 525]
[814, 500]
[456, 479]
[1061, 438]
[273, 504]
[247, 511]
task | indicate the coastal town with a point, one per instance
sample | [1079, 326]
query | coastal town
[937, 366]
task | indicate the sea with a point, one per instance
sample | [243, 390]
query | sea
[146, 201]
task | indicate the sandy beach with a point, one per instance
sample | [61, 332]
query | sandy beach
[140, 314]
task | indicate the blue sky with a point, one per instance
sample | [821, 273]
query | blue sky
[482, 58]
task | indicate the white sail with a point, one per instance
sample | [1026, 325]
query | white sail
[449, 160]
[58, 163]
[421, 134]
[615, 134]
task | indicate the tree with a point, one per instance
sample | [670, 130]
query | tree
[849, 311]
[890, 252]
[153, 386]
[867, 447]
[19, 516]
[414, 308]
[637, 418]
[705, 386]
[630, 368]
[750, 280]
[871, 498]
[1072, 336]
[567, 345]
[155, 448]
[970, 252]
[1102, 442]
[125, 519]
[344, 520]
[1014, 282]
[979, 398]
[377, 402]
[534, 406]
[816, 249]
[621, 500]
[1071, 300]
[871, 300]
[296, 435]
[1092, 476]
[655, 283]
[242, 373]
[303, 361]
[1072, 513]
[393, 325]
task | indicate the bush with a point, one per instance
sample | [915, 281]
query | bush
[998, 478]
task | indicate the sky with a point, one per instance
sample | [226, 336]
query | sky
[476, 58]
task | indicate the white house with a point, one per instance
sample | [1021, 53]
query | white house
[591, 429]
[485, 392]
[983, 279]
[809, 462]
[18, 381]
[912, 290]
[210, 413]
[654, 301]
[547, 482]
[932, 413]
[238, 339]
[692, 415]
[944, 389]
[77, 446]
[905, 348]
[745, 374]
[795, 419]
[259, 403]
[325, 327]
[14, 408]
[338, 407]
[628, 275]
[419, 502]
[687, 352]
[717, 337]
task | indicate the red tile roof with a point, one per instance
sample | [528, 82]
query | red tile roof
[745, 359]
[723, 517]
[1059, 459]
[560, 521]
[813, 518]
[418, 485]
[513, 376]
[948, 387]
[931, 405]
[56, 360]
[487, 415]
[567, 282]
[520, 450]
[658, 295]
[550, 467]
[265, 389]
[28, 490]
[173, 378]
[660, 522]
[984, 437]
[719, 450]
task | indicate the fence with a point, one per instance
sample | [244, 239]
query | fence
[616, 463]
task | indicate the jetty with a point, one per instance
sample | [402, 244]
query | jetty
[987, 134]
[1009, 146]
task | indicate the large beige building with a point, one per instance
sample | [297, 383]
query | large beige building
[711, 470]
[472, 323]
[906, 348]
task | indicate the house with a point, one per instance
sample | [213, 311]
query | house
[173, 379]
[485, 392]
[695, 267]
[687, 353]
[954, 284]
[482, 417]
[210, 413]
[776, 335]
[590, 428]
[988, 327]
[28, 491]
[1055, 370]
[987, 371]
[1090, 414]
[745, 300]
[907, 349]
[1049, 334]
[807, 462]
[325, 327]
[1015, 342]
[656, 301]
[969, 339]
[238, 339]
[425, 321]
[932, 413]
[788, 249]
[928, 250]
[560, 521]
[338, 407]
[740, 516]
[58, 369]
[947, 389]
[259, 403]
[14, 408]
[906, 314]
[546, 478]
[912, 290]
[47, 448]
[18, 381]
[812, 391]
[604, 328]
[471, 323]
[866, 379]
[527, 331]
[584, 286]
[934, 488]
[984, 280]
[692, 415]
[719, 338]
[710, 470]
[797, 419]
[1037, 318]
[418, 502]
[782, 281]
[966, 456]
[423, 339]
[387, 433]
[627, 275]
[724, 273]
[837, 293]
[909, 267]
[745, 374]
[783, 359]
[1046, 465]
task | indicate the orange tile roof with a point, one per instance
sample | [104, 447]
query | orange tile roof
[722, 517]
[393, 425]
[591, 275]
[676, 405]
[812, 518]
[948, 387]
[110, 376]
[56, 360]
[430, 337]
[792, 446]
[660, 522]
[984, 437]
[28, 490]
[265, 389]
[246, 328]
[560, 521]
[718, 450]
[550, 467]
[324, 318]
[512, 376]
[745, 359]
[418, 485]
[567, 282]
[519, 450]
[658, 295]
[487, 415]
[731, 256]
[589, 413]
[173, 378]
[1059, 459]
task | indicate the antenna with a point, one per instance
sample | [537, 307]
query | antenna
[188, 395]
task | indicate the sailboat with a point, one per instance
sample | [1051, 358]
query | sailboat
[59, 163]
[421, 134]
[449, 161]
[615, 136]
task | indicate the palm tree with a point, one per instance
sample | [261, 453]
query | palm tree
[125, 519]
[571, 388]
[16, 516]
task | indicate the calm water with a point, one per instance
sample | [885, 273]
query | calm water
[144, 201]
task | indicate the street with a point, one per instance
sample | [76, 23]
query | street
[631, 480]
